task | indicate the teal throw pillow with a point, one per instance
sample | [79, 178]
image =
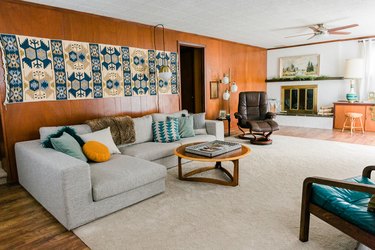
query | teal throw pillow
[68, 145]
[199, 123]
[165, 131]
[185, 126]
[47, 143]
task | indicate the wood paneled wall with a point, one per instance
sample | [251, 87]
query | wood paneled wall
[21, 121]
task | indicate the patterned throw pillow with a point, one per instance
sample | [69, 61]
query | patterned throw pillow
[165, 131]
[371, 204]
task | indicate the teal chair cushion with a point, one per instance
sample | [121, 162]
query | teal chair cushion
[347, 204]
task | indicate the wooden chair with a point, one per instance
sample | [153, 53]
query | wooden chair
[346, 227]
[352, 117]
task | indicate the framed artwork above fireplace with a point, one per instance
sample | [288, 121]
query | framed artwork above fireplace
[305, 65]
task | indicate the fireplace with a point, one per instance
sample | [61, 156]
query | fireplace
[299, 99]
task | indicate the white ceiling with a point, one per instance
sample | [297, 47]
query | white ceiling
[263, 23]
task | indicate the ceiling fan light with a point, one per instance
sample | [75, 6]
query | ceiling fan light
[165, 73]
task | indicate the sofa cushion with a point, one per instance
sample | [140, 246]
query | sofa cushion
[199, 123]
[125, 125]
[150, 150]
[197, 138]
[143, 129]
[347, 204]
[122, 128]
[121, 174]
[67, 144]
[185, 125]
[96, 151]
[46, 131]
[103, 136]
[166, 131]
[48, 144]
[162, 117]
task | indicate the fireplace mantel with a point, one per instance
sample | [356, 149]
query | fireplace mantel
[302, 80]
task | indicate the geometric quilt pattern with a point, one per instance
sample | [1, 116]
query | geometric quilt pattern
[40, 69]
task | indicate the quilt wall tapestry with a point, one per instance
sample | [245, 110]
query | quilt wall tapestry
[40, 69]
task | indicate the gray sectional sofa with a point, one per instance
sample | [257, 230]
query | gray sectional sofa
[76, 192]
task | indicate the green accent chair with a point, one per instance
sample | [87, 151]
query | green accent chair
[342, 204]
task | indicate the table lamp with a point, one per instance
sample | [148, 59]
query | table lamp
[353, 71]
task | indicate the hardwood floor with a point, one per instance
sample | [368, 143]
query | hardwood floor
[25, 224]
[368, 138]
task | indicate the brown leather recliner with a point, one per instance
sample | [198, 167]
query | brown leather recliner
[252, 114]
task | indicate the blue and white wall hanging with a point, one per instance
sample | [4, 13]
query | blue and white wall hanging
[40, 69]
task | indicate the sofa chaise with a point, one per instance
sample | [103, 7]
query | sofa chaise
[76, 192]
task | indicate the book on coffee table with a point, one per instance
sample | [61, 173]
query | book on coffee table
[212, 149]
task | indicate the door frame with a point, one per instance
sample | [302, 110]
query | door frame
[193, 45]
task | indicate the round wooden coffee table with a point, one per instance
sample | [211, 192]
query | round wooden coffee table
[232, 156]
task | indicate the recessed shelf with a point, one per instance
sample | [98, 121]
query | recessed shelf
[305, 115]
[304, 80]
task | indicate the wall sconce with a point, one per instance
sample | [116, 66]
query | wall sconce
[226, 95]
[226, 78]
[165, 72]
[233, 88]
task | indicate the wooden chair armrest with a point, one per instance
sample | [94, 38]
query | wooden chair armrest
[340, 184]
[367, 171]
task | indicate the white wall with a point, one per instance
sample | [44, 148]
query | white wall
[332, 61]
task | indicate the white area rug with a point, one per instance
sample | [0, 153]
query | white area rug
[263, 212]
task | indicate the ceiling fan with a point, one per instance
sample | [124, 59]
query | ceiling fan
[320, 30]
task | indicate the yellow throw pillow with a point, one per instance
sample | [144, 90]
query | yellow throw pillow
[96, 151]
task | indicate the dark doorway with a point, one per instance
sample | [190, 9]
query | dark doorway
[192, 78]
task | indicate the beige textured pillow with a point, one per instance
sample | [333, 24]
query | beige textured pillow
[103, 136]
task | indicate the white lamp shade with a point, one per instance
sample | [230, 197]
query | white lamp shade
[226, 95]
[225, 79]
[233, 88]
[165, 73]
[354, 68]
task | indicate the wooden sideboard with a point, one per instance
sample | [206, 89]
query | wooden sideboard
[367, 109]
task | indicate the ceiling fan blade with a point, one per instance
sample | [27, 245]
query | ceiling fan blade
[311, 37]
[315, 29]
[301, 35]
[339, 33]
[342, 27]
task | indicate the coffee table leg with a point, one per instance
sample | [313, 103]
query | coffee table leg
[190, 175]
[179, 168]
[235, 173]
